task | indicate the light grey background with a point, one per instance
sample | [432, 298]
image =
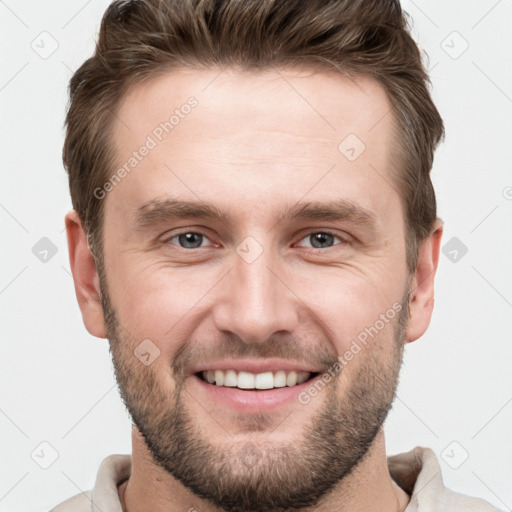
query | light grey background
[58, 385]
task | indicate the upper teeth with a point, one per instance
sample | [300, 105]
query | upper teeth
[246, 380]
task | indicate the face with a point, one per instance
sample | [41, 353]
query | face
[257, 234]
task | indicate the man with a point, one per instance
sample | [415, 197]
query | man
[255, 232]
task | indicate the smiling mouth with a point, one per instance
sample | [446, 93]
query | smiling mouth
[255, 381]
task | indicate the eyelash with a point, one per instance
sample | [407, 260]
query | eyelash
[326, 232]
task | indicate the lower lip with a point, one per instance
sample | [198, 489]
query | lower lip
[252, 400]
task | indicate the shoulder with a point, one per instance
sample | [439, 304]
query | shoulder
[456, 502]
[80, 503]
[104, 497]
[418, 472]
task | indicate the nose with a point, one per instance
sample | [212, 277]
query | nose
[256, 301]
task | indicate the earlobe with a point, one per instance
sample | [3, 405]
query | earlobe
[422, 284]
[85, 276]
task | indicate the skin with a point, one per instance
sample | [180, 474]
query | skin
[252, 137]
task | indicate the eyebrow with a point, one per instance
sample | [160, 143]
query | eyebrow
[158, 211]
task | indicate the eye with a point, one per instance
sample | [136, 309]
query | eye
[194, 240]
[188, 240]
[321, 240]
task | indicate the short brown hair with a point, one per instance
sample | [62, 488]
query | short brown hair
[140, 39]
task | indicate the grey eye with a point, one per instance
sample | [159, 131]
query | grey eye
[189, 240]
[321, 240]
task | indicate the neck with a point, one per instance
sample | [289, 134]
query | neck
[368, 487]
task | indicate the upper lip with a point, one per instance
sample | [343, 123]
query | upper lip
[256, 366]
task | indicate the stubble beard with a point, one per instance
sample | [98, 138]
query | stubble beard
[244, 476]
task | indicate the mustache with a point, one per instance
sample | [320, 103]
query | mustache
[232, 347]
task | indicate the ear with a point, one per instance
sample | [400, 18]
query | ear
[85, 276]
[422, 284]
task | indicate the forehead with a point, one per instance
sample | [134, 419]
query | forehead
[329, 101]
[253, 132]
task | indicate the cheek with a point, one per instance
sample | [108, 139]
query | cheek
[167, 304]
[161, 303]
[352, 306]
